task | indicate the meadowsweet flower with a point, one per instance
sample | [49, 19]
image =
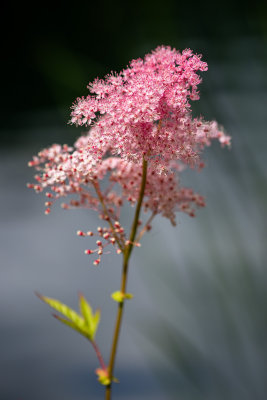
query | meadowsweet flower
[140, 113]
[144, 111]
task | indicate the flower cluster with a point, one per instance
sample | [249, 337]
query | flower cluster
[109, 183]
[142, 113]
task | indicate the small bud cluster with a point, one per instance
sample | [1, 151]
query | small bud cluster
[107, 235]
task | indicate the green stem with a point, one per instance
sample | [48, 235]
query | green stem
[126, 257]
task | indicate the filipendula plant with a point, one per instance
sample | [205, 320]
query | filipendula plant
[141, 136]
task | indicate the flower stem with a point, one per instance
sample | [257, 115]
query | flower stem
[101, 199]
[146, 227]
[126, 256]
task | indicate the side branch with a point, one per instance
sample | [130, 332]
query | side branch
[101, 199]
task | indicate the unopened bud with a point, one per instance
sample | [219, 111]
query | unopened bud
[88, 251]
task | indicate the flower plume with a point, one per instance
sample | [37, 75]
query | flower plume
[141, 113]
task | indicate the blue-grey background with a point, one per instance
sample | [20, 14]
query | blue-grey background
[197, 327]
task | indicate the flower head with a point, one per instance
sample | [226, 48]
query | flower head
[144, 111]
[141, 113]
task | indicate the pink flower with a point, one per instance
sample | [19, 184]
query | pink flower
[144, 111]
[141, 113]
[65, 173]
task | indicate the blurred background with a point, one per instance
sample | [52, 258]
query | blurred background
[197, 327]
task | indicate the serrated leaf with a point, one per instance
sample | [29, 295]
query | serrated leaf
[64, 309]
[86, 310]
[91, 319]
[86, 324]
[73, 326]
[94, 322]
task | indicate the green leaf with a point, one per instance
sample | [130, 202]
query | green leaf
[86, 309]
[128, 296]
[91, 320]
[73, 326]
[94, 323]
[119, 296]
[64, 309]
[86, 324]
